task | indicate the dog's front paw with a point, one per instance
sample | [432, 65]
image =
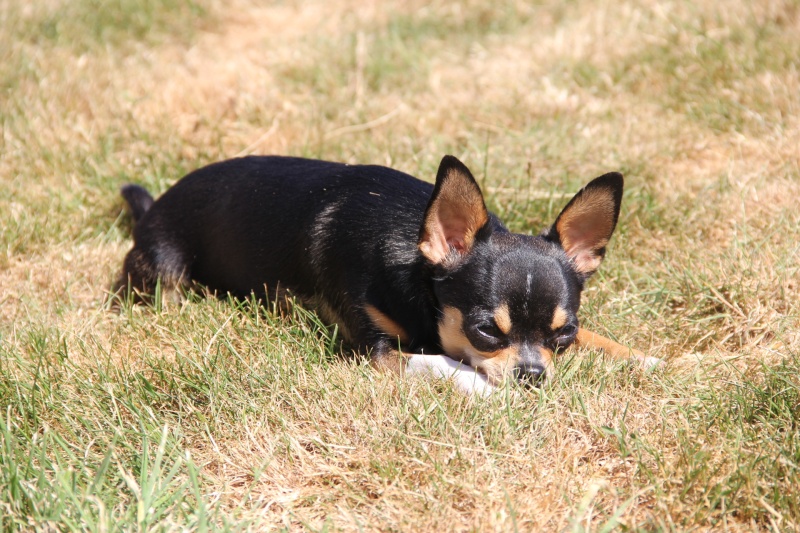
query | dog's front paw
[465, 378]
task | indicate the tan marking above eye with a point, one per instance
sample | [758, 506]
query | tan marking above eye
[502, 318]
[386, 324]
[559, 318]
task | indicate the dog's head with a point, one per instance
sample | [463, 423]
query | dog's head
[508, 302]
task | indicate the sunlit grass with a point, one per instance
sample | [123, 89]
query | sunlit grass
[215, 414]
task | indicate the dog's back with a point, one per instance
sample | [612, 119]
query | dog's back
[263, 224]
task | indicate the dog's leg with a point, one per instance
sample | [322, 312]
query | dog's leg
[138, 277]
[588, 339]
[144, 269]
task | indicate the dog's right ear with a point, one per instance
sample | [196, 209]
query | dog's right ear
[454, 215]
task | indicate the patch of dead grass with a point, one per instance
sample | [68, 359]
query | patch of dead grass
[703, 270]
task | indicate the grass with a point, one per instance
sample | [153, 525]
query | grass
[210, 414]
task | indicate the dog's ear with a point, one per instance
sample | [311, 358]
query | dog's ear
[585, 225]
[455, 213]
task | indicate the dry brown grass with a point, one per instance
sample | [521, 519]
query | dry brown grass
[697, 103]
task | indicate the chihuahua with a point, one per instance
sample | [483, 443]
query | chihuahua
[421, 277]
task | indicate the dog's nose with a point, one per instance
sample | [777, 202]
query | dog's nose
[530, 374]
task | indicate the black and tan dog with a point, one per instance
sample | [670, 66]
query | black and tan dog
[421, 277]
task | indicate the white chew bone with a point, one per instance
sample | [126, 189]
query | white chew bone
[465, 378]
[650, 363]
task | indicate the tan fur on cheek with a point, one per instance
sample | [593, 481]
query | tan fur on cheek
[451, 333]
[498, 365]
[547, 359]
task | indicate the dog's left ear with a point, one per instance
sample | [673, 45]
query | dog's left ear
[454, 215]
[585, 225]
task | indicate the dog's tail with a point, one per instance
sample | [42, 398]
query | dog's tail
[138, 199]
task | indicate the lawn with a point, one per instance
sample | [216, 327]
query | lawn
[213, 414]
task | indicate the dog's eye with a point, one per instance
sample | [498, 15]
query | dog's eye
[489, 330]
[566, 334]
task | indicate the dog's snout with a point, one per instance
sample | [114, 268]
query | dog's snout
[530, 374]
